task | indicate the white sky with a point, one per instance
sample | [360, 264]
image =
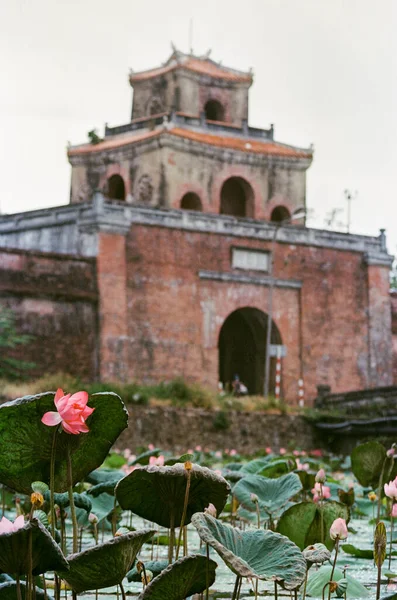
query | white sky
[325, 72]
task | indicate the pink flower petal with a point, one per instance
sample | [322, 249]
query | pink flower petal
[6, 526]
[19, 523]
[58, 395]
[74, 429]
[51, 418]
[62, 403]
[87, 412]
[79, 398]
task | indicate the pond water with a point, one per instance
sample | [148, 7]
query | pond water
[361, 569]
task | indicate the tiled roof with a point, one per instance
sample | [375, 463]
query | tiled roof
[197, 65]
[241, 144]
[233, 143]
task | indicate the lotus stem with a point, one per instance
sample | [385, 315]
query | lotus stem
[71, 502]
[19, 594]
[188, 472]
[3, 500]
[380, 491]
[122, 591]
[52, 482]
[63, 537]
[378, 581]
[237, 586]
[114, 517]
[275, 591]
[207, 572]
[258, 515]
[305, 585]
[45, 587]
[256, 589]
[327, 584]
[333, 566]
[185, 552]
[171, 540]
[391, 538]
[29, 578]
[321, 514]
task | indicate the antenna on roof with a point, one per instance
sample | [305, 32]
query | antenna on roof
[191, 35]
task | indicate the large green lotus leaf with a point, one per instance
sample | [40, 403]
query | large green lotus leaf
[273, 494]
[181, 579]
[104, 476]
[154, 566]
[255, 465]
[106, 564]
[302, 522]
[276, 468]
[25, 448]
[368, 460]
[8, 591]
[158, 493]
[14, 551]
[259, 553]
[318, 579]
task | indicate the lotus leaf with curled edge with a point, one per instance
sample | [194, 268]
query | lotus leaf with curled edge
[181, 579]
[157, 493]
[257, 553]
[273, 494]
[14, 551]
[26, 443]
[106, 564]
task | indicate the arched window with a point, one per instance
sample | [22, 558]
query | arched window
[214, 111]
[279, 214]
[116, 188]
[237, 198]
[191, 201]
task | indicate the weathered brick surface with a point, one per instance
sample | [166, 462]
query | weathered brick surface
[332, 327]
[54, 299]
[180, 429]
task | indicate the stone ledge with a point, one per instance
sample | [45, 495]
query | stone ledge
[250, 279]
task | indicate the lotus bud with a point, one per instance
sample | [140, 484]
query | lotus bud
[254, 498]
[372, 496]
[121, 531]
[338, 530]
[211, 510]
[139, 566]
[149, 577]
[320, 477]
[188, 465]
[391, 452]
[93, 519]
[37, 500]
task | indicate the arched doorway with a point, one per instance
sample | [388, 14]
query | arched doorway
[237, 198]
[242, 349]
[279, 214]
[191, 201]
[116, 187]
[214, 111]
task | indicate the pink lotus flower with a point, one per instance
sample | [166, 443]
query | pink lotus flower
[150, 447]
[233, 452]
[7, 526]
[317, 452]
[218, 454]
[296, 453]
[268, 450]
[338, 530]
[316, 491]
[391, 490]
[72, 411]
[198, 448]
[394, 511]
[157, 460]
[320, 477]
[283, 451]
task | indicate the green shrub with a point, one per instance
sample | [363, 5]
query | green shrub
[10, 367]
[221, 421]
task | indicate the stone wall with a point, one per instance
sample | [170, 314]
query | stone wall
[54, 299]
[179, 429]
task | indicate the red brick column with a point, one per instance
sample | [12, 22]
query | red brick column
[112, 288]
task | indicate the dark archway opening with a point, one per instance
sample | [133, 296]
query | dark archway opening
[242, 349]
[191, 201]
[237, 198]
[279, 214]
[116, 188]
[214, 111]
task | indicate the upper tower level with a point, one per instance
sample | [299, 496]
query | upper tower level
[195, 85]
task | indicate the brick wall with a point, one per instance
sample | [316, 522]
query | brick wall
[331, 326]
[54, 299]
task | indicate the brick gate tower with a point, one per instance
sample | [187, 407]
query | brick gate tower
[177, 249]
